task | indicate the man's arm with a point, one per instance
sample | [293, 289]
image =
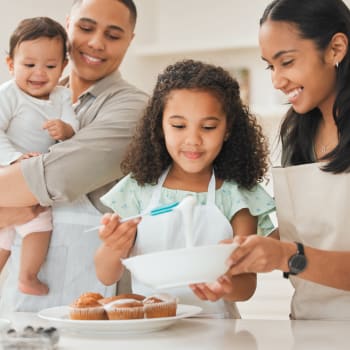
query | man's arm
[18, 216]
[87, 161]
[14, 189]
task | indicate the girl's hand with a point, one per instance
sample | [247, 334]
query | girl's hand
[118, 236]
[256, 254]
[213, 291]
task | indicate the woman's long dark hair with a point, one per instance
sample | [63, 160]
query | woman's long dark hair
[318, 21]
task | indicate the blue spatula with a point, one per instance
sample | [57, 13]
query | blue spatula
[156, 211]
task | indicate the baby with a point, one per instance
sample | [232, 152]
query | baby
[34, 115]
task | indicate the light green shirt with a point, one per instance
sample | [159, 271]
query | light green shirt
[127, 198]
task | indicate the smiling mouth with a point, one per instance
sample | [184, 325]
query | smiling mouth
[192, 155]
[37, 83]
[292, 95]
[91, 60]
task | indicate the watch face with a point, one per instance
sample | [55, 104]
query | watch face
[297, 264]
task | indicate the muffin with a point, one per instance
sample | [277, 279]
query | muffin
[96, 296]
[160, 305]
[108, 300]
[87, 307]
[124, 308]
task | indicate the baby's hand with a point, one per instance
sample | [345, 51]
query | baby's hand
[116, 235]
[213, 291]
[58, 129]
[26, 156]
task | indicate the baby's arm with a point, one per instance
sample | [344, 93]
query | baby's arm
[232, 288]
[58, 129]
[117, 241]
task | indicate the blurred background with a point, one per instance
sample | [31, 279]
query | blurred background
[223, 33]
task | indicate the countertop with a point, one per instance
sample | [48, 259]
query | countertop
[200, 333]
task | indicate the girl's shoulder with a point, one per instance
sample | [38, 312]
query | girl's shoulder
[127, 190]
[256, 199]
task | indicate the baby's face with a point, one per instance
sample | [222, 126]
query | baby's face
[37, 66]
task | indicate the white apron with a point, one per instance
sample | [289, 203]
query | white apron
[69, 267]
[312, 208]
[166, 231]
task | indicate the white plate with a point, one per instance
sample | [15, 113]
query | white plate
[59, 316]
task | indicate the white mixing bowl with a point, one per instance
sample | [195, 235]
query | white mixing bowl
[180, 267]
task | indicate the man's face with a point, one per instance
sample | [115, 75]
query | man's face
[99, 33]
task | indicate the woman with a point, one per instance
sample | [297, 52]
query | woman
[306, 47]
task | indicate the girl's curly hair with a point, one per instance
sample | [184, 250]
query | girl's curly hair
[243, 157]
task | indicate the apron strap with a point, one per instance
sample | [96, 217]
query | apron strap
[211, 189]
[158, 190]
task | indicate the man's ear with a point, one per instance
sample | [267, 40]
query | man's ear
[65, 62]
[67, 22]
[10, 64]
[338, 47]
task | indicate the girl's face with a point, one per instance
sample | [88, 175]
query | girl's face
[194, 126]
[37, 65]
[303, 73]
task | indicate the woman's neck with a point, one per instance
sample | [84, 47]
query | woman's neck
[327, 136]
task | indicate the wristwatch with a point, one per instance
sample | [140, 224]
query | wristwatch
[297, 262]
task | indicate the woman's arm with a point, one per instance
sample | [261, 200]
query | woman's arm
[264, 254]
[118, 239]
[238, 287]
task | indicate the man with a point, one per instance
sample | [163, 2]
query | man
[99, 32]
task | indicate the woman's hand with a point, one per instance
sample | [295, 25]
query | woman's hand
[17, 216]
[257, 254]
[116, 235]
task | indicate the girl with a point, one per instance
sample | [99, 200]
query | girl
[195, 138]
[306, 47]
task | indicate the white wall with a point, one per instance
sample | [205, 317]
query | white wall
[186, 28]
[14, 11]
[227, 35]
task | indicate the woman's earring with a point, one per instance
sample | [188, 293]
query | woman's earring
[336, 65]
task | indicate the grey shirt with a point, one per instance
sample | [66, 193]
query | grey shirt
[89, 162]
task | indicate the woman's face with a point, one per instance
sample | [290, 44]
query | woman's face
[304, 74]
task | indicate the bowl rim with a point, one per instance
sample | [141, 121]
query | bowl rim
[232, 245]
